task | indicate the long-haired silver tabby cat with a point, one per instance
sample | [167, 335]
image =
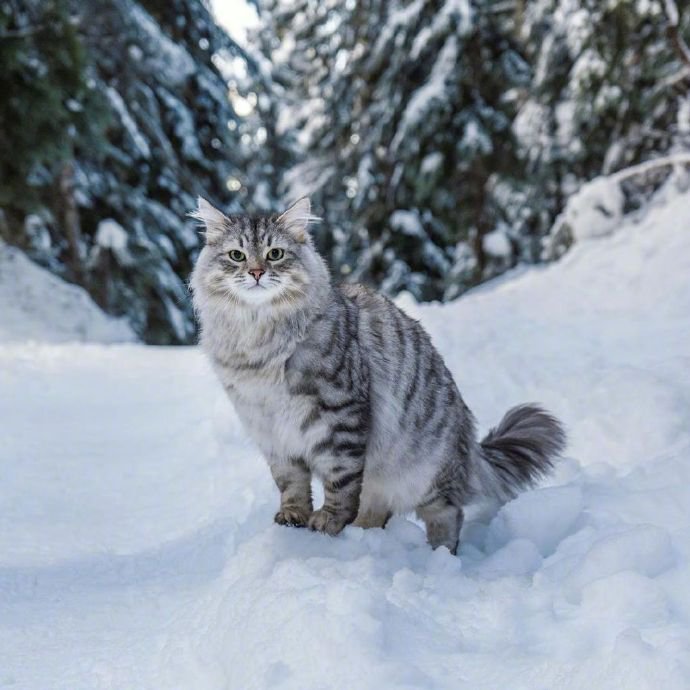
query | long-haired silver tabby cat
[338, 382]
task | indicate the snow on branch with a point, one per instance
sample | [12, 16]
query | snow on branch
[671, 160]
[672, 12]
[674, 31]
[673, 79]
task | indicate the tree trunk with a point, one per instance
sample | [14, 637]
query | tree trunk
[70, 219]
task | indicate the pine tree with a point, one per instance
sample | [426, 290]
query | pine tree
[49, 107]
[609, 90]
[403, 111]
[273, 141]
[163, 140]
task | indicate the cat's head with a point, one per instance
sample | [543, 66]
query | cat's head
[258, 261]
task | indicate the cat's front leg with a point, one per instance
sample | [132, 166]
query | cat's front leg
[342, 484]
[293, 478]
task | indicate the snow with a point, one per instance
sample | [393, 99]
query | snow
[594, 210]
[431, 163]
[544, 517]
[683, 122]
[168, 59]
[184, 126]
[237, 17]
[458, 12]
[396, 20]
[588, 67]
[37, 231]
[128, 122]
[671, 12]
[497, 244]
[111, 235]
[37, 305]
[142, 552]
[475, 139]
[407, 223]
[431, 92]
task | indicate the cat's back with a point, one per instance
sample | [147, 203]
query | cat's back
[403, 359]
[389, 333]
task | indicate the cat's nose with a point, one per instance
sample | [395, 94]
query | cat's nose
[257, 273]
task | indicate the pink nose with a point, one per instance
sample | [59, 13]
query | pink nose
[257, 273]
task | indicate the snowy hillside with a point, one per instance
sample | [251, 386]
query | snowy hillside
[36, 305]
[138, 549]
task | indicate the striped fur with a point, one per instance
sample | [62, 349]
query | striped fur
[341, 384]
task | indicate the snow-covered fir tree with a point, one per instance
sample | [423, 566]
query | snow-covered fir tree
[402, 112]
[439, 139]
[610, 89]
[111, 215]
[49, 109]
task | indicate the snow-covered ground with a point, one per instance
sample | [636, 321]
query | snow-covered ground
[35, 304]
[137, 548]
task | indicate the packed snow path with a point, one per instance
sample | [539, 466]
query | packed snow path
[137, 548]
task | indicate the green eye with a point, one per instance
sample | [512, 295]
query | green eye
[237, 255]
[275, 254]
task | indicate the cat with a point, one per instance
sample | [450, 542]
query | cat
[340, 383]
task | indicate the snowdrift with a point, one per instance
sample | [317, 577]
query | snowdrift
[139, 549]
[37, 305]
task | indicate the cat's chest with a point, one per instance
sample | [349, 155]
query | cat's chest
[265, 379]
[272, 413]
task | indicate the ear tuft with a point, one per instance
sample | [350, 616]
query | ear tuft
[297, 218]
[213, 221]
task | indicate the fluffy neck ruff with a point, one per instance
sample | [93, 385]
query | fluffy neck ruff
[235, 333]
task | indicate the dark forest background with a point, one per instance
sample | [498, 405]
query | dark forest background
[438, 140]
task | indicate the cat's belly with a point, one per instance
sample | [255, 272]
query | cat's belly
[401, 464]
[397, 479]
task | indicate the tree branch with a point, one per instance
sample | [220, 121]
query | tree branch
[674, 31]
[21, 33]
[647, 166]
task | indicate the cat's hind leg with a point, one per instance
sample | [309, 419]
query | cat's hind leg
[372, 518]
[373, 511]
[443, 520]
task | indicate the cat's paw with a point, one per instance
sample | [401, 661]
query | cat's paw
[323, 521]
[293, 516]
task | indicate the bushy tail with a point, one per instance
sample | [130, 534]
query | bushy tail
[520, 450]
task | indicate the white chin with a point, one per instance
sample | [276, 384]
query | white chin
[257, 294]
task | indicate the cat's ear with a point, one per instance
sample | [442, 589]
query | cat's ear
[213, 221]
[296, 219]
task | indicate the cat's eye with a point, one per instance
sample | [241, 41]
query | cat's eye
[275, 254]
[237, 255]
